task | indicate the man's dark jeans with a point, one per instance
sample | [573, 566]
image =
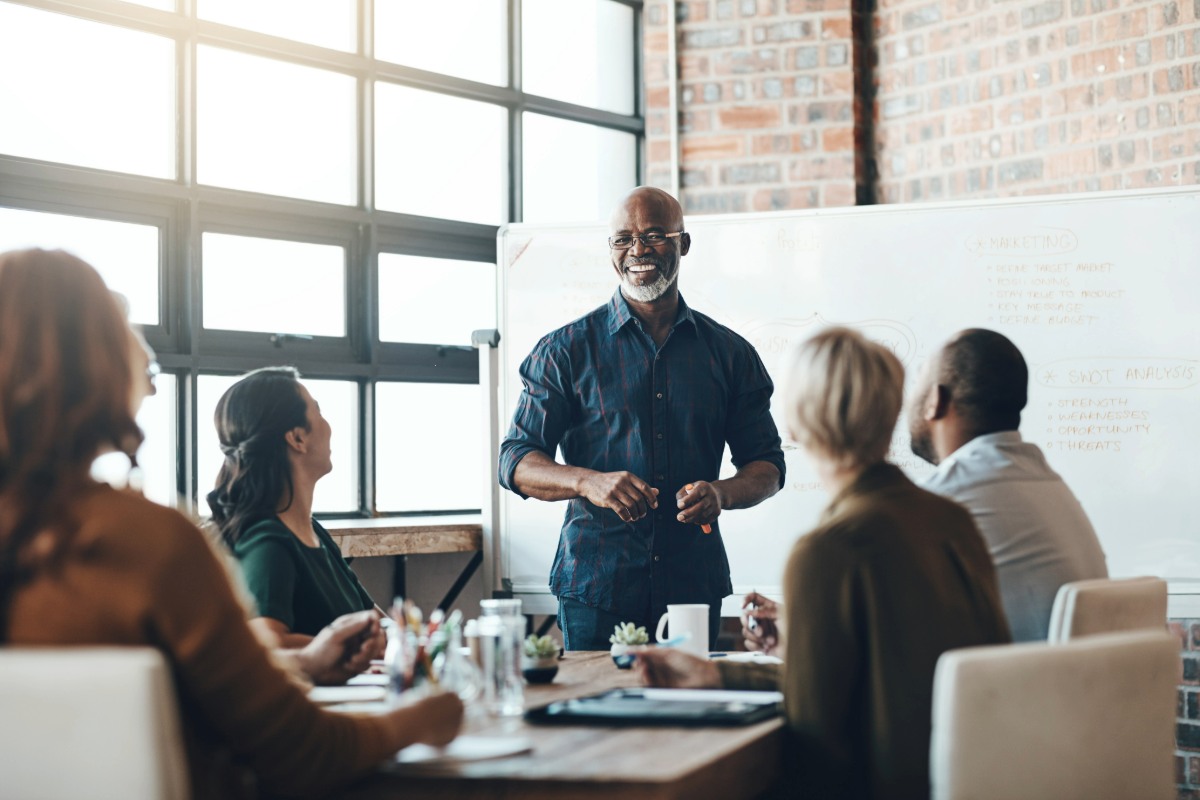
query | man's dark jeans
[587, 628]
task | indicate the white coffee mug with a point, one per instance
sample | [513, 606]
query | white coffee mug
[690, 620]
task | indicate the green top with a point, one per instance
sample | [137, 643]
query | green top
[303, 587]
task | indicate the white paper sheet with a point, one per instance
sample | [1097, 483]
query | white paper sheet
[466, 748]
[346, 694]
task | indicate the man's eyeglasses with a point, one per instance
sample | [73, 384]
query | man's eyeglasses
[625, 241]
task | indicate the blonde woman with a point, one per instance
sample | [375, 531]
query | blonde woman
[891, 577]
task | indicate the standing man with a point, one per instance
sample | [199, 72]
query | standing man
[642, 395]
[964, 418]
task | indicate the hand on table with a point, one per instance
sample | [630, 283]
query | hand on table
[343, 648]
[440, 715]
[763, 635]
[623, 492]
[674, 669]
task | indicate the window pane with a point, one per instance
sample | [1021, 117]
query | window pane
[440, 156]
[413, 33]
[337, 491]
[580, 52]
[273, 286]
[434, 300]
[156, 456]
[86, 93]
[125, 254]
[209, 389]
[276, 128]
[574, 171]
[325, 23]
[436, 465]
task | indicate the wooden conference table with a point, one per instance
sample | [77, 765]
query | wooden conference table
[577, 761]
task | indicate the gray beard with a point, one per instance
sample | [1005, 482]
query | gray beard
[646, 293]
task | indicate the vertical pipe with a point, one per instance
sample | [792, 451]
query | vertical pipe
[486, 342]
[673, 97]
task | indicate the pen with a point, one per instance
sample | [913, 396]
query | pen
[706, 528]
[751, 607]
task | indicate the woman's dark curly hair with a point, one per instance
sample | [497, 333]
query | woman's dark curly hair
[252, 417]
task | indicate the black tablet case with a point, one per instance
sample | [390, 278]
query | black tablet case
[631, 707]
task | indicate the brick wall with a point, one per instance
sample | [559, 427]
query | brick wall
[1187, 729]
[766, 103]
[981, 98]
[973, 98]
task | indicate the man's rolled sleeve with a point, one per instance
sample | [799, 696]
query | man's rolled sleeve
[751, 431]
[542, 416]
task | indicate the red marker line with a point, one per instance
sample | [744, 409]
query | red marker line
[705, 528]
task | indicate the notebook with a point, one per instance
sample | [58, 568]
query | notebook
[663, 707]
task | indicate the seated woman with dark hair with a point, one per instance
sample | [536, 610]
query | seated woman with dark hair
[277, 446]
[82, 563]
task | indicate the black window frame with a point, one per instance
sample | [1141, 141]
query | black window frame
[184, 211]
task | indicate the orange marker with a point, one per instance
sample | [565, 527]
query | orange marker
[705, 528]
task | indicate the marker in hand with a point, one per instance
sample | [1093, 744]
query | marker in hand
[706, 527]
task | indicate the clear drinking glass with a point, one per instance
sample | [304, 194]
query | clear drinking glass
[501, 629]
[456, 671]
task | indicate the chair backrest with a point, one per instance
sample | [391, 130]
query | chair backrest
[1108, 605]
[89, 722]
[1090, 719]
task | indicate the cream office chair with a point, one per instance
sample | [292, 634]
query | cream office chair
[1107, 605]
[1090, 719]
[89, 722]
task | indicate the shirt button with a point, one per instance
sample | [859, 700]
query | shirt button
[658, 436]
[659, 395]
[660, 477]
[656, 558]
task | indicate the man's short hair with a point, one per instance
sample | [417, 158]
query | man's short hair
[987, 378]
[843, 395]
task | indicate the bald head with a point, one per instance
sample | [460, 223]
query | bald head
[649, 272]
[987, 379]
[975, 385]
[645, 207]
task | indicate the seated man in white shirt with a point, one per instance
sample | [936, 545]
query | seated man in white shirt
[964, 419]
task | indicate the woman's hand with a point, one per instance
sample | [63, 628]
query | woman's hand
[442, 714]
[760, 629]
[343, 648]
[438, 716]
[675, 669]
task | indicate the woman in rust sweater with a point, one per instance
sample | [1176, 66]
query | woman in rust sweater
[84, 564]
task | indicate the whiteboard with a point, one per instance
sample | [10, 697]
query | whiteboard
[1101, 293]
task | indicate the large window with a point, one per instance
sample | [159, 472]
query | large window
[316, 184]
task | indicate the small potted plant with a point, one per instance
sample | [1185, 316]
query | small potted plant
[540, 661]
[625, 637]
